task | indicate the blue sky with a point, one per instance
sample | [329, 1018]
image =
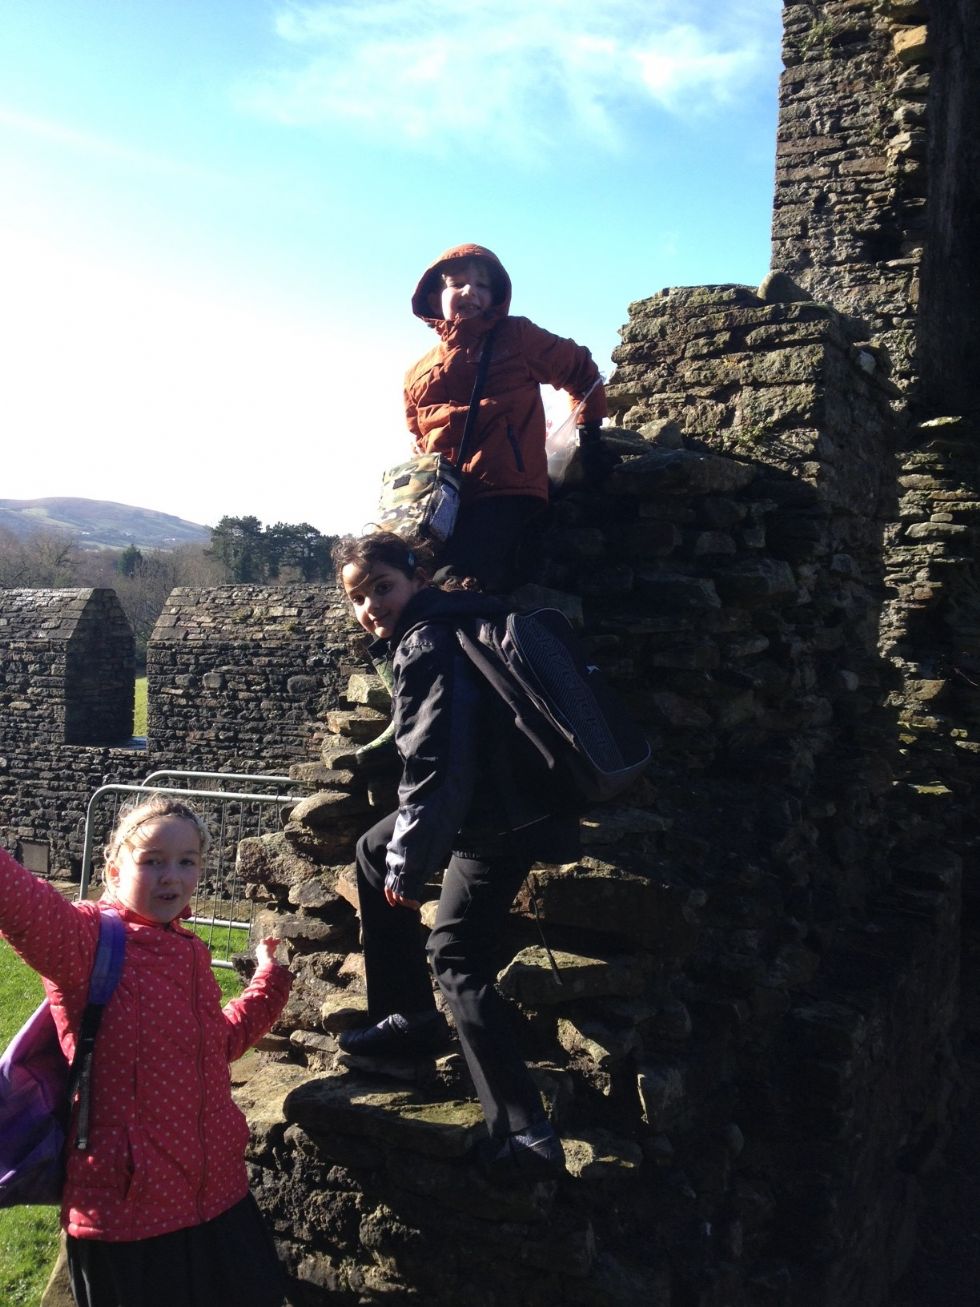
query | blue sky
[213, 214]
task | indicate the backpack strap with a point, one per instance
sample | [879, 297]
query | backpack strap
[478, 384]
[106, 969]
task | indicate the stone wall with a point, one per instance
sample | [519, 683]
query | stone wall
[66, 698]
[852, 177]
[877, 199]
[242, 675]
[949, 335]
[66, 676]
[239, 680]
[748, 1056]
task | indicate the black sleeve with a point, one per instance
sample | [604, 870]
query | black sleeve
[436, 713]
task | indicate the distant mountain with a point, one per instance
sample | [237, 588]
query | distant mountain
[99, 524]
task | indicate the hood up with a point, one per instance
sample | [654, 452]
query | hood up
[429, 281]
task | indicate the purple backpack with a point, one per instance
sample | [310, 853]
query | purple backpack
[38, 1088]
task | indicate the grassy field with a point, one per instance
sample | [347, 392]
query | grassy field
[29, 1235]
[139, 710]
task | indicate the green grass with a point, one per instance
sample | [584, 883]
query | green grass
[28, 1249]
[222, 947]
[29, 1235]
[139, 708]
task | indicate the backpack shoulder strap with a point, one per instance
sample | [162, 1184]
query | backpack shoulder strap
[110, 954]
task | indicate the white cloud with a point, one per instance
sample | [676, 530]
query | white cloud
[434, 72]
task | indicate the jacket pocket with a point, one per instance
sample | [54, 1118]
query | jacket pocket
[515, 445]
[109, 1166]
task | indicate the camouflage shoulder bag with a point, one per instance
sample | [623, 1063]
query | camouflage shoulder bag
[420, 498]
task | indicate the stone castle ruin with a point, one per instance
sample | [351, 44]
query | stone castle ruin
[752, 1055]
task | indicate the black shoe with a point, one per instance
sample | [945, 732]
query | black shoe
[391, 1038]
[528, 1157]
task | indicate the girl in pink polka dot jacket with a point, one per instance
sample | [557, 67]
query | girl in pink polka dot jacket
[156, 1209]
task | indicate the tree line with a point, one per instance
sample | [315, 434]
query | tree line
[285, 552]
[241, 550]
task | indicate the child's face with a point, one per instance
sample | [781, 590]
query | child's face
[156, 873]
[379, 596]
[466, 293]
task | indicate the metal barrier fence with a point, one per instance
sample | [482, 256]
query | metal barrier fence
[230, 815]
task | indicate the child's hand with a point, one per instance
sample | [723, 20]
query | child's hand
[265, 950]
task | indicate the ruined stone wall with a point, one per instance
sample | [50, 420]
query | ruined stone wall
[242, 675]
[852, 177]
[66, 698]
[44, 792]
[876, 212]
[239, 679]
[748, 1057]
[949, 335]
[66, 674]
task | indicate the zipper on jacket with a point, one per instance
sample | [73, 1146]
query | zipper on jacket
[515, 446]
[200, 1080]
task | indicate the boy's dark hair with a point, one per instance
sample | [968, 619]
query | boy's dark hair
[379, 547]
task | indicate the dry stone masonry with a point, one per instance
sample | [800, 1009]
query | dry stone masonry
[244, 674]
[748, 1053]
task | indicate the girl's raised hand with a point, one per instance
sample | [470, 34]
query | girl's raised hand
[265, 950]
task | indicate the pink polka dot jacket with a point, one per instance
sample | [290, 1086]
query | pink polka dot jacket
[167, 1143]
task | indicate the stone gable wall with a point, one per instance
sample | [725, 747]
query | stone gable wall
[239, 679]
[66, 674]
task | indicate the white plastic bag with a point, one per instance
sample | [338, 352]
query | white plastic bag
[562, 445]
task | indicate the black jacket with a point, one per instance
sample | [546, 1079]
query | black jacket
[471, 783]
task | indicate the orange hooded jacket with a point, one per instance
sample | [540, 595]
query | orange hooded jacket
[507, 454]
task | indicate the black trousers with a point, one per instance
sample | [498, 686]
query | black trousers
[487, 541]
[462, 950]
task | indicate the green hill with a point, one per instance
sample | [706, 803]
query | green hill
[100, 524]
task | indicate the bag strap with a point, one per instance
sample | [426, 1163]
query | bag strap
[106, 969]
[481, 376]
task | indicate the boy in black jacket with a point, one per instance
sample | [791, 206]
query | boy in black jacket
[464, 792]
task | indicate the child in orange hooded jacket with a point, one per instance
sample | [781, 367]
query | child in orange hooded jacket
[464, 295]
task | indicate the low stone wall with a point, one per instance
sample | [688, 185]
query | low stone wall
[239, 679]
